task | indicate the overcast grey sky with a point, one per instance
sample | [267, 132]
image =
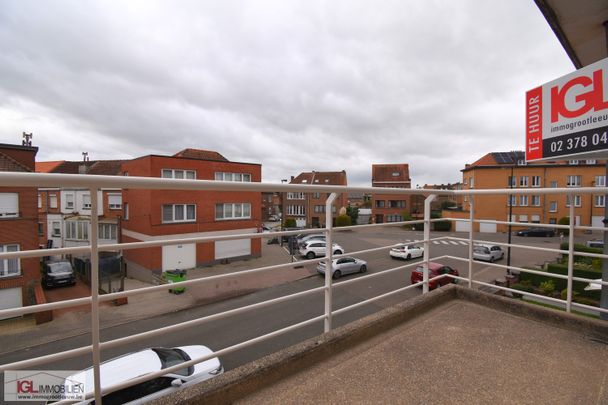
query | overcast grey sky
[293, 85]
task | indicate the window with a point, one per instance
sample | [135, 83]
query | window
[69, 201]
[9, 205]
[40, 229]
[232, 211]
[295, 196]
[535, 181]
[9, 267]
[573, 181]
[523, 181]
[573, 162]
[86, 201]
[599, 200]
[107, 231]
[319, 209]
[600, 181]
[56, 229]
[523, 218]
[523, 200]
[53, 200]
[77, 230]
[535, 219]
[553, 183]
[296, 210]
[472, 183]
[536, 201]
[521, 162]
[39, 201]
[577, 201]
[316, 195]
[591, 161]
[394, 218]
[179, 213]
[380, 203]
[223, 176]
[553, 221]
[115, 201]
[512, 200]
[553, 206]
[126, 211]
[396, 204]
[178, 174]
[512, 181]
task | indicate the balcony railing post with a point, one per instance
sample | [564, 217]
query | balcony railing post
[427, 244]
[95, 294]
[570, 254]
[471, 223]
[328, 260]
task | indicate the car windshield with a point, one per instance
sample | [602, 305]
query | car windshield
[172, 357]
[60, 267]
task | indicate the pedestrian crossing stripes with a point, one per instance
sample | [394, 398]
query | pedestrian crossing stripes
[443, 242]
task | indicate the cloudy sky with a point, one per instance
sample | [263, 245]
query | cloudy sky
[294, 85]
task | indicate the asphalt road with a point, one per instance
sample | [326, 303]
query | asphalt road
[226, 332]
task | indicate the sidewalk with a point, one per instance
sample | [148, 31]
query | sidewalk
[20, 333]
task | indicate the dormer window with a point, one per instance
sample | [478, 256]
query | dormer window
[521, 162]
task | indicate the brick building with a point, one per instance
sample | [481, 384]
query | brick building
[18, 227]
[271, 205]
[390, 207]
[159, 214]
[308, 209]
[499, 170]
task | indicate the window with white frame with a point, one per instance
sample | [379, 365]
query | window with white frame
[523, 218]
[521, 162]
[573, 181]
[233, 211]
[115, 201]
[226, 176]
[296, 196]
[319, 209]
[9, 267]
[512, 200]
[394, 218]
[178, 174]
[69, 201]
[179, 213]
[600, 181]
[523, 181]
[553, 183]
[523, 200]
[53, 200]
[599, 200]
[56, 229]
[77, 230]
[9, 205]
[512, 182]
[86, 201]
[536, 201]
[553, 206]
[573, 162]
[107, 231]
[471, 185]
[535, 181]
[316, 195]
[591, 161]
[39, 201]
[296, 210]
[535, 219]
[577, 201]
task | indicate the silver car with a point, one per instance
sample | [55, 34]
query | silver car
[488, 253]
[344, 265]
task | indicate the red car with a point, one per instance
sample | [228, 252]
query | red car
[435, 269]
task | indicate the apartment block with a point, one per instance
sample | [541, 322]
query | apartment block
[18, 227]
[308, 209]
[390, 207]
[158, 214]
[499, 170]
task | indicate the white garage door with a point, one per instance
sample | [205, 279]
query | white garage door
[10, 298]
[232, 248]
[487, 227]
[179, 257]
[462, 226]
[597, 221]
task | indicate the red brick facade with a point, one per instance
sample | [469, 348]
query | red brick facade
[390, 207]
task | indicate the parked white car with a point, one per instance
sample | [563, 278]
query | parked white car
[342, 266]
[488, 253]
[316, 248]
[406, 252]
[311, 236]
[137, 364]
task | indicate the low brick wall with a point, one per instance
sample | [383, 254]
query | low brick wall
[44, 316]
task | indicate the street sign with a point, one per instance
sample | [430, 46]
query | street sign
[568, 117]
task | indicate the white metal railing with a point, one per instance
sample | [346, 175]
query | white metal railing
[94, 183]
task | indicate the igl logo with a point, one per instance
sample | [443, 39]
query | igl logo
[588, 92]
[26, 386]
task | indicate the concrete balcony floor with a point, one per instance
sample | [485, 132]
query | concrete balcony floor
[453, 345]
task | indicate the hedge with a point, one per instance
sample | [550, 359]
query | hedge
[594, 261]
[560, 284]
[442, 226]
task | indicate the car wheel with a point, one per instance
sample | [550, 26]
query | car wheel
[363, 269]
[409, 256]
[491, 259]
[310, 255]
[337, 274]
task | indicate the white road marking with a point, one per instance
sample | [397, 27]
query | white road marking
[445, 242]
[453, 242]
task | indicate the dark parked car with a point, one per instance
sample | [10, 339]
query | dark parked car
[57, 272]
[536, 232]
[435, 269]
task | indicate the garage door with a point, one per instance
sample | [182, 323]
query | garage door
[10, 298]
[179, 257]
[232, 248]
[597, 221]
[462, 226]
[487, 227]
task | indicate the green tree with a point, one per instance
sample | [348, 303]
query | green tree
[353, 213]
[290, 223]
[564, 221]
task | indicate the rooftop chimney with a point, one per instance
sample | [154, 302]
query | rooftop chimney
[27, 139]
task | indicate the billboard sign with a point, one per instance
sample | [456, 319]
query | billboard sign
[568, 117]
